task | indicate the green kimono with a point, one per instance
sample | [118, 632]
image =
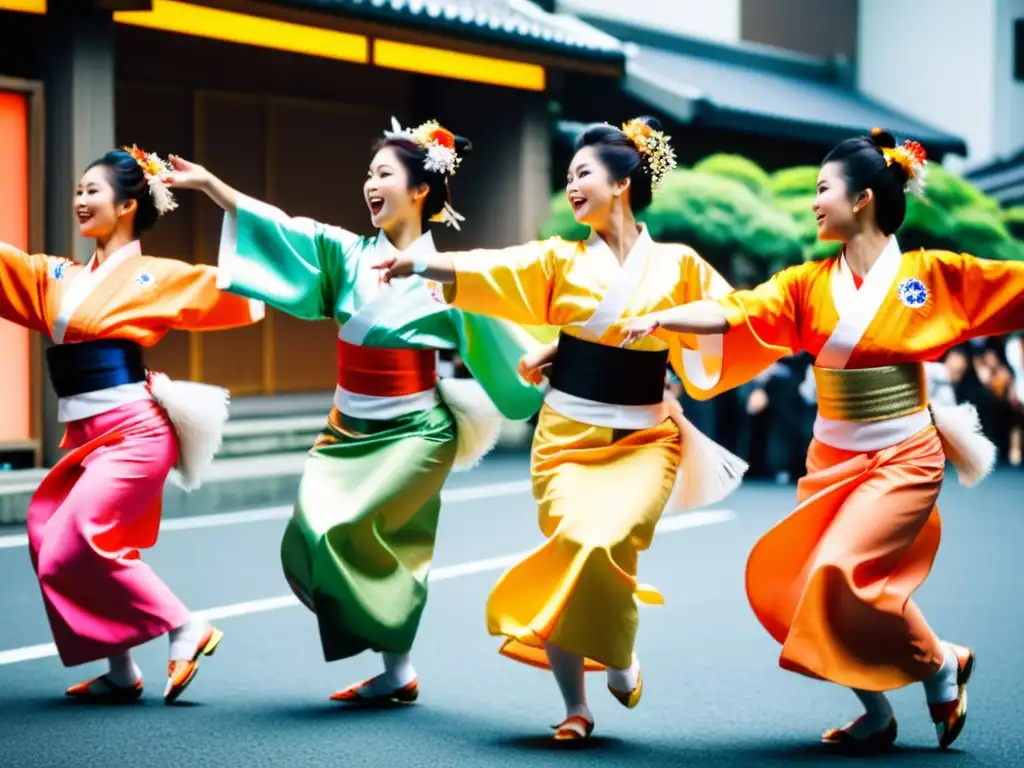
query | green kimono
[360, 543]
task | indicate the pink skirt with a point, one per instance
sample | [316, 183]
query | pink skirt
[87, 521]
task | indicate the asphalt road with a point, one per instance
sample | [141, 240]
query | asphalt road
[713, 695]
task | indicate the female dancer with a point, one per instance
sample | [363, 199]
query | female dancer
[127, 428]
[359, 547]
[607, 447]
[832, 582]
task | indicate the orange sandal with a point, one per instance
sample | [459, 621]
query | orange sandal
[101, 690]
[950, 716]
[573, 728]
[407, 694]
[180, 673]
[879, 740]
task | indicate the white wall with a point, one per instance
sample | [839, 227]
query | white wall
[934, 59]
[1009, 94]
[711, 19]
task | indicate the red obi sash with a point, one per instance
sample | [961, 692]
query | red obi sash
[385, 372]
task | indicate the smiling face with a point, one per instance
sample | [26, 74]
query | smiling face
[835, 206]
[591, 190]
[95, 206]
[387, 192]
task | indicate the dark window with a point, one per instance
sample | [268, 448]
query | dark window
[1018, 50]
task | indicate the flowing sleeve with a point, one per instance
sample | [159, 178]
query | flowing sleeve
[514, 284]
[986, 297]
[763, 327]
[199, 305]
[294, 264]
[23, 284]
[491, 350]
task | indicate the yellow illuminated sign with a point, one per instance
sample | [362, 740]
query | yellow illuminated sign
[213, 23]
[25, 6]
[459, 66]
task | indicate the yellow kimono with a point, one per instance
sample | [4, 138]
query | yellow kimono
[833, 581]
[602, 473]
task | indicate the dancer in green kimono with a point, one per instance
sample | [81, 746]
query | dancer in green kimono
[360, 543]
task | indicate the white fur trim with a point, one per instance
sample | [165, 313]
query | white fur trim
[707, 471]
[198, 413]
[965, 445]
[477, 421]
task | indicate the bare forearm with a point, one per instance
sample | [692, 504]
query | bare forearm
[222, 194]
[698, 317]
[438, 267]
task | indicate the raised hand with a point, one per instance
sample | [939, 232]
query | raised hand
[186, 174]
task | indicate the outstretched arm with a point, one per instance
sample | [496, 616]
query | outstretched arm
[189, 175]
[23, 278]
[294, 264]
[701, 318]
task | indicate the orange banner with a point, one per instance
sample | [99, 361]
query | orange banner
[15, 353]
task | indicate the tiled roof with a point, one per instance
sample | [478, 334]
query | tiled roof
[512, 22]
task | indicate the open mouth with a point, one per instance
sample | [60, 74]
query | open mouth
[376, 205]
[84, 216]
[577, 202]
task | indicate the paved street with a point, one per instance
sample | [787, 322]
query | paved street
[713, 694]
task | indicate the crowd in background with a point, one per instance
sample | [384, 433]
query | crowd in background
[769, 421]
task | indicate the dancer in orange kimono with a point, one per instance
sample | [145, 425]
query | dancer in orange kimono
[833, 581]
[127, 427]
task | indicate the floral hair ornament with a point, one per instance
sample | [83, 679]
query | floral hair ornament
[439, 145]
[437, 142]
[654, 146]
[153, 168]
[913, 159]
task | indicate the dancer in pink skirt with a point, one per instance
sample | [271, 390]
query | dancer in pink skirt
[127, 428]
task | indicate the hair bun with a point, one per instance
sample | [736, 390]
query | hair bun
[883, 139]
[463, 145]
[651, 122]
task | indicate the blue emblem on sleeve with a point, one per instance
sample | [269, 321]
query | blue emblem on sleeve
[57, 268]
[913, 293]
[144, 278]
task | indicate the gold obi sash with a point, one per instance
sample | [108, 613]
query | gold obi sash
[871, 394]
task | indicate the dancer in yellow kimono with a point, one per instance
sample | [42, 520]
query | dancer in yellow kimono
[833, 581]
[607, 447]
[127, 427]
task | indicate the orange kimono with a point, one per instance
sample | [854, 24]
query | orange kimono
[833, 581]
[127, 429]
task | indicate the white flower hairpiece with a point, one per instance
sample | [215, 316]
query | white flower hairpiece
[439, 145]
[437, 142]
[153, 167]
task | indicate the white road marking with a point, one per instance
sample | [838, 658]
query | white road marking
[216, 520]
[668, 525]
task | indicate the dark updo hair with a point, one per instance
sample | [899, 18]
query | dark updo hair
[619, 155]
[129, 183]
[864, 167]
[412, 157]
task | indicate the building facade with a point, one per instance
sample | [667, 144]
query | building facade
[283, 101]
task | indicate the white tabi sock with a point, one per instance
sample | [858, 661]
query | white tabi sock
[942, 687]
[123, 670]
[877, 714]
[625, 680]
[398, 673]
[568, 671]
[185, 639]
